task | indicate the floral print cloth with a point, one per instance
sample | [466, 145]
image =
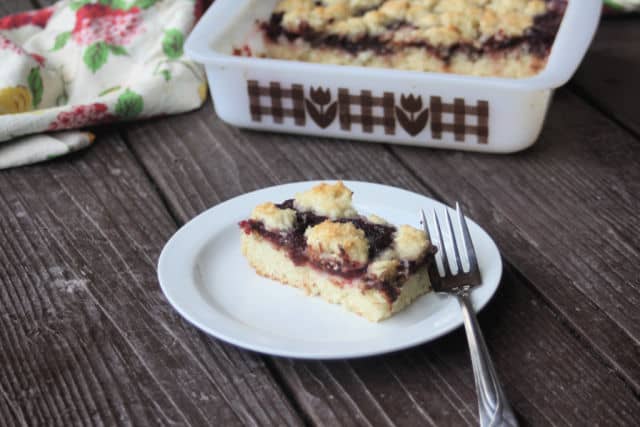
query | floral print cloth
[86, 62]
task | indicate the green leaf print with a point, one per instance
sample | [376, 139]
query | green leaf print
[166, 74]
[145, 4]
[96, 56]
[129, 104]
[61, 40]
[172, 43]
[118, 50]
[119, 4]
[77, 4]
[35, 84]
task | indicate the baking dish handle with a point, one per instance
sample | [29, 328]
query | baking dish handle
[572, 41]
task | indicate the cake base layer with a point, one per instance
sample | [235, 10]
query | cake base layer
[514, 63]
[372, 304]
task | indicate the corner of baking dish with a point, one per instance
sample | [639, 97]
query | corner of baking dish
[572, 41]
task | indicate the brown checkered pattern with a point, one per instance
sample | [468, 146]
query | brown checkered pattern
[459, 127]
[366, 118]
[268, 101]
[275, 94]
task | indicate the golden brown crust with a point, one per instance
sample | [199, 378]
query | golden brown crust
[437, 22]
[500, 38]
[336, 240]
[375, 219]
[410, 243]
[274, 218]
[331, 200]
[384, 269]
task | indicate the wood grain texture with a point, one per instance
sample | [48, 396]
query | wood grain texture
[562, 328]
[432, 384]
[565, 213]
[608, 76]
[86, 336]
[198, 161]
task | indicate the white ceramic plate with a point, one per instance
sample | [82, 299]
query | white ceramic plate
[205, 277]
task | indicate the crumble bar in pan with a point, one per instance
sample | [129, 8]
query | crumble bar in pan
[500, 38]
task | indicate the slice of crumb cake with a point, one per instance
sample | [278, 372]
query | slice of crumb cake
[319, 243]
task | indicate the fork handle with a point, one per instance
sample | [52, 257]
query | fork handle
[494, 410]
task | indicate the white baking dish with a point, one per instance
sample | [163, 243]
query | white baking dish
[491, 114]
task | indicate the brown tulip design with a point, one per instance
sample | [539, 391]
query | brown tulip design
[416, 120]
[326, 114]
[320, 96]
[411, 103]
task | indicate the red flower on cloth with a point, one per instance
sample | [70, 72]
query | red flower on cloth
[82, 115]
[97, 22]
[36, 17]
[7, 44]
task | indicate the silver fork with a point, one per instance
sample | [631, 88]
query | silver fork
[493, 406]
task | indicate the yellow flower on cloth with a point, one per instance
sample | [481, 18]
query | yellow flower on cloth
[15, 100]
[85, 62]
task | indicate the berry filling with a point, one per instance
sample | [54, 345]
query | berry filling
[537, 40]
[379, 236]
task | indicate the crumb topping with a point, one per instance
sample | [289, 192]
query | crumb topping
[410, 243]
[365, 251]
[437, 22]
[386, 255]
[338, 240]
[330, 200]
[274, 218]
[384, 269]
[375, 219]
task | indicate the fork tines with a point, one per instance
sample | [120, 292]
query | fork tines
[450, 280]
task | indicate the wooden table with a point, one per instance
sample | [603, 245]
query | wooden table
[86, 336]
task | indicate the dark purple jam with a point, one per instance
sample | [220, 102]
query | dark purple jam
[379, 236]
[538, 39]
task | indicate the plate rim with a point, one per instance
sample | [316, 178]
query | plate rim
[163, 264]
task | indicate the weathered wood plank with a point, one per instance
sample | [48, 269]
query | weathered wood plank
[544, 381]
[565, 213]
[86, 336]
[608, 76]
[197, 161]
